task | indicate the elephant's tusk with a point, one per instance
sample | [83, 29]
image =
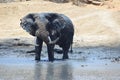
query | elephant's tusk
[49, 39]
[54, 41]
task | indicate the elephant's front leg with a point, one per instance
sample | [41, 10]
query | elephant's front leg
[65, 51]
[50, 48]
[38, 48]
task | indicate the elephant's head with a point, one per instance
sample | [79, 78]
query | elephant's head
[39, 26]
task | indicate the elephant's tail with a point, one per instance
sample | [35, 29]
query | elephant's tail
[71, 49]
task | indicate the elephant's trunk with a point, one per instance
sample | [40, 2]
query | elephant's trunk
[44, 35]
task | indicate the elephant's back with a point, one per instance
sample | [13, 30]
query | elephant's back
[68, 21]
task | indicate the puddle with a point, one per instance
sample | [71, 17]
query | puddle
[85, 63]
[12, 68]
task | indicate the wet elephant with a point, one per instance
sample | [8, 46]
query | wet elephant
[51, 28]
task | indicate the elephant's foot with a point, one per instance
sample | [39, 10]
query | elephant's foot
[65, 57]
[51, 59]
[37, 58]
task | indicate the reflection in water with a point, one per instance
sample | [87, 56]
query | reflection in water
[53, 71]
[24, 69]
[50, 72]
[38, 72]
[66, 72]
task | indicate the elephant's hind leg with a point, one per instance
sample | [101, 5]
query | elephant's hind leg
[65, 54]
[65, 51]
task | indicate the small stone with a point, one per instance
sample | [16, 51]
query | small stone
[82, 65]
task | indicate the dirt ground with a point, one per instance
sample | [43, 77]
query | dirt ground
[96, 47]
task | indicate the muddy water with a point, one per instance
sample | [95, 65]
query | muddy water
[12, 68]
[85, 63]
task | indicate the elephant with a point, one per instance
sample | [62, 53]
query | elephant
[51, 28]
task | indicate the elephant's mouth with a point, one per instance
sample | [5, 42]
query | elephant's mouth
[52, 42]
[46, 37]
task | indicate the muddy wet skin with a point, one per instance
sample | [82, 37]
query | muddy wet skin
[85, 63]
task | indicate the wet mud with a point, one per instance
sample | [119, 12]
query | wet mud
[85, 63]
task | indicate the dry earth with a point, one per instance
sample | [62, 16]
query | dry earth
[94, 25]
[96, 53]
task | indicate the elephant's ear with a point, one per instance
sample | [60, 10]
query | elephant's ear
[30, 19]
[31, 16]
[27, 23]
[59, 24]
